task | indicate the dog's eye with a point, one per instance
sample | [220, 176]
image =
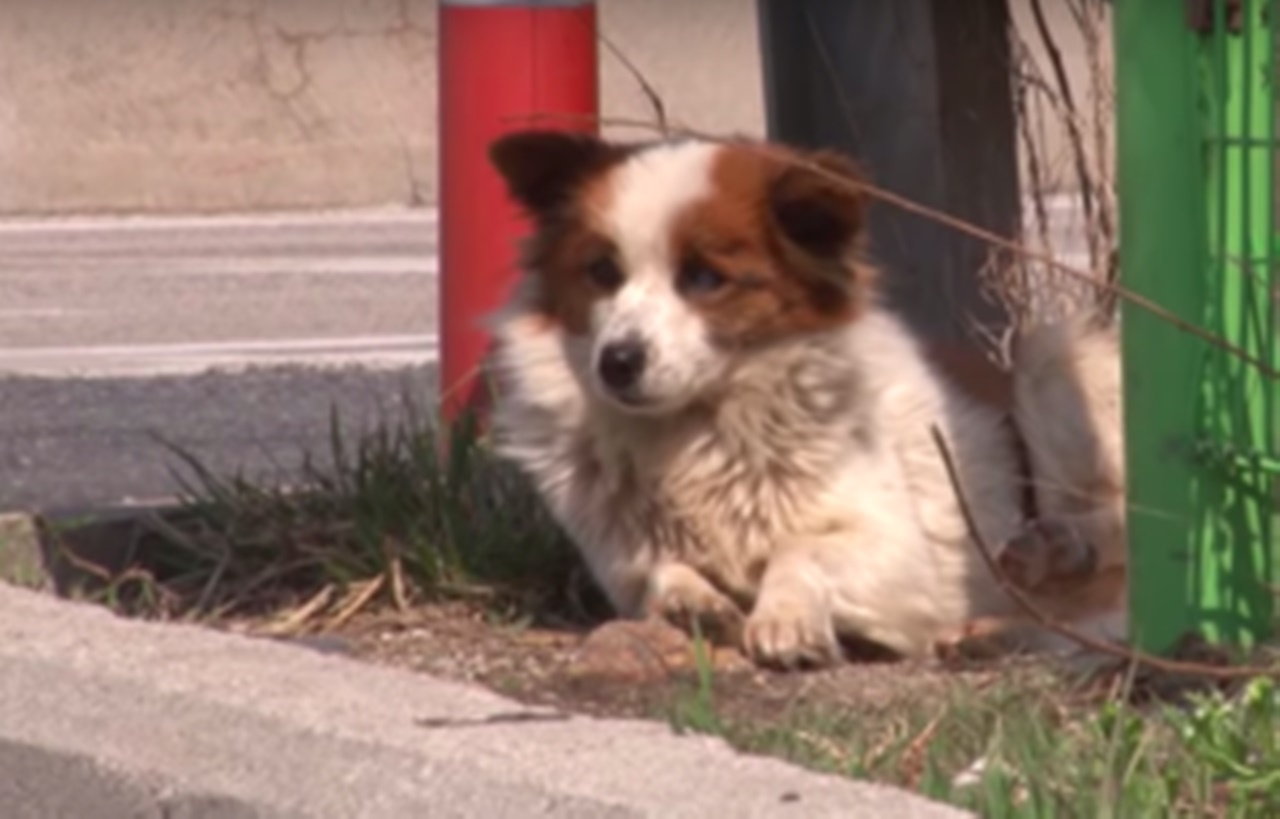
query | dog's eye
[699, 279]
[605, 274]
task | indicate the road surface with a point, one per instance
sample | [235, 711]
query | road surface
[233, 337]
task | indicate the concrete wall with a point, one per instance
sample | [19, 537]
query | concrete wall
[215, 105]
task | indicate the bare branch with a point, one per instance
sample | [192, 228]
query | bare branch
[1042, 618]
[968, 228]
[646, 88]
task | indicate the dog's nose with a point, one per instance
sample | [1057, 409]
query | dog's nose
[621, 364]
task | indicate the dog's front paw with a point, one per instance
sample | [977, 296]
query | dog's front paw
[1048, 554]
[980, 639]
[679, 595]
[790, 635]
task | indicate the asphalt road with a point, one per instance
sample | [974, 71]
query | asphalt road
[232, 338]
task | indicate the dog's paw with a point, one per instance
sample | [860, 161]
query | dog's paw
[980, 639]
[791, 635]
[1048, 553]
[679, 595]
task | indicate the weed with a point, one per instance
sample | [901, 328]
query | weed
[1034, 745]
[696, 712]
[409, 511]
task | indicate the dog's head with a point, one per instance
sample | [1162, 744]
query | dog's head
[665, 263]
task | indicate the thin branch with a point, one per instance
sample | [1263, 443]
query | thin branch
[1051, 623]
[833, 76]
[1068, 98]
[1023, 109]
[961, 225]
[646, 88]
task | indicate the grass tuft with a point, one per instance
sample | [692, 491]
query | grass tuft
[410, 511]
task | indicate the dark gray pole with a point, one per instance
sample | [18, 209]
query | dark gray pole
[919, 90]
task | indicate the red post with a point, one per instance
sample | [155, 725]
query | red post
[503, 66]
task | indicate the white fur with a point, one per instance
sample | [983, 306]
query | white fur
[1067, 400]
[648, 194]
[1068, 397]
[801, 491]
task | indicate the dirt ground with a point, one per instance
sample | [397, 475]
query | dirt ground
[624, 669]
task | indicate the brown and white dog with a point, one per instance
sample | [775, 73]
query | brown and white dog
[696, 373]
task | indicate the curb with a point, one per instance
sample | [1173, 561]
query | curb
[54, 551]
[113, 718]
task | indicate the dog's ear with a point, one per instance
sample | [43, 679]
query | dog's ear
[542, 168]
[818, 203]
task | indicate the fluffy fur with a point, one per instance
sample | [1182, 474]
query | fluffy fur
[1067, 401]
[696, 374]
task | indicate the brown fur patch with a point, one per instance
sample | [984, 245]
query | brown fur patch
[560, 254]
[781, 281]
[562, 180]
[972, 371]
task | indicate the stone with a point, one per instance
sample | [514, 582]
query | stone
[644, 652]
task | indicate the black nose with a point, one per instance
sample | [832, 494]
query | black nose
[621, 364]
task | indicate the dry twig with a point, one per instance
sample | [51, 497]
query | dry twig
[650, 93]
[1042, 618]
[968, 228]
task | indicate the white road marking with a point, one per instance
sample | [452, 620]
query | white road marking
[142, 360]
[43, 265]
[26, 313]
[204, 223]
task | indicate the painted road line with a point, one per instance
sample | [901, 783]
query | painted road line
[189, 358]
[205, 265]
[257, 222]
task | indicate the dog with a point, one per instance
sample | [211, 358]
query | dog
[699, 377]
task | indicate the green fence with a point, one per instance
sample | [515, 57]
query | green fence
[1196, 89]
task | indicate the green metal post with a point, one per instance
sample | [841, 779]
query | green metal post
[1162, 248]
[1195, 416]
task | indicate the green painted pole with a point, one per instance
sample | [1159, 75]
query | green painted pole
[1162, 252]
[1199, 516]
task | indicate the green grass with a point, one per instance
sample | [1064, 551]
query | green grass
[1034, 745]
[404, 510]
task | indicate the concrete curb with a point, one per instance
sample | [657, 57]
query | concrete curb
[34, 547]
[104, 717]
[22, 559]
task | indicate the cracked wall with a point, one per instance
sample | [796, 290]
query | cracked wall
[217, 105]
[189, 106]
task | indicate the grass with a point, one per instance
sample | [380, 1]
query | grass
[392, 518]
[1036, 744]
[398, 515]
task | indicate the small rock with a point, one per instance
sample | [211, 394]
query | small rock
[641, 651]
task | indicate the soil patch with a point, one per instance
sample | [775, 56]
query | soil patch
[629, 669]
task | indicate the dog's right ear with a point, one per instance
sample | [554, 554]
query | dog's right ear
[543, 168]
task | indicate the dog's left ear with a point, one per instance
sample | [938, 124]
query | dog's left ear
[819, 204]
[543, 168]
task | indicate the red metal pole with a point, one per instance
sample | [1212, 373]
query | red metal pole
[503, 66]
